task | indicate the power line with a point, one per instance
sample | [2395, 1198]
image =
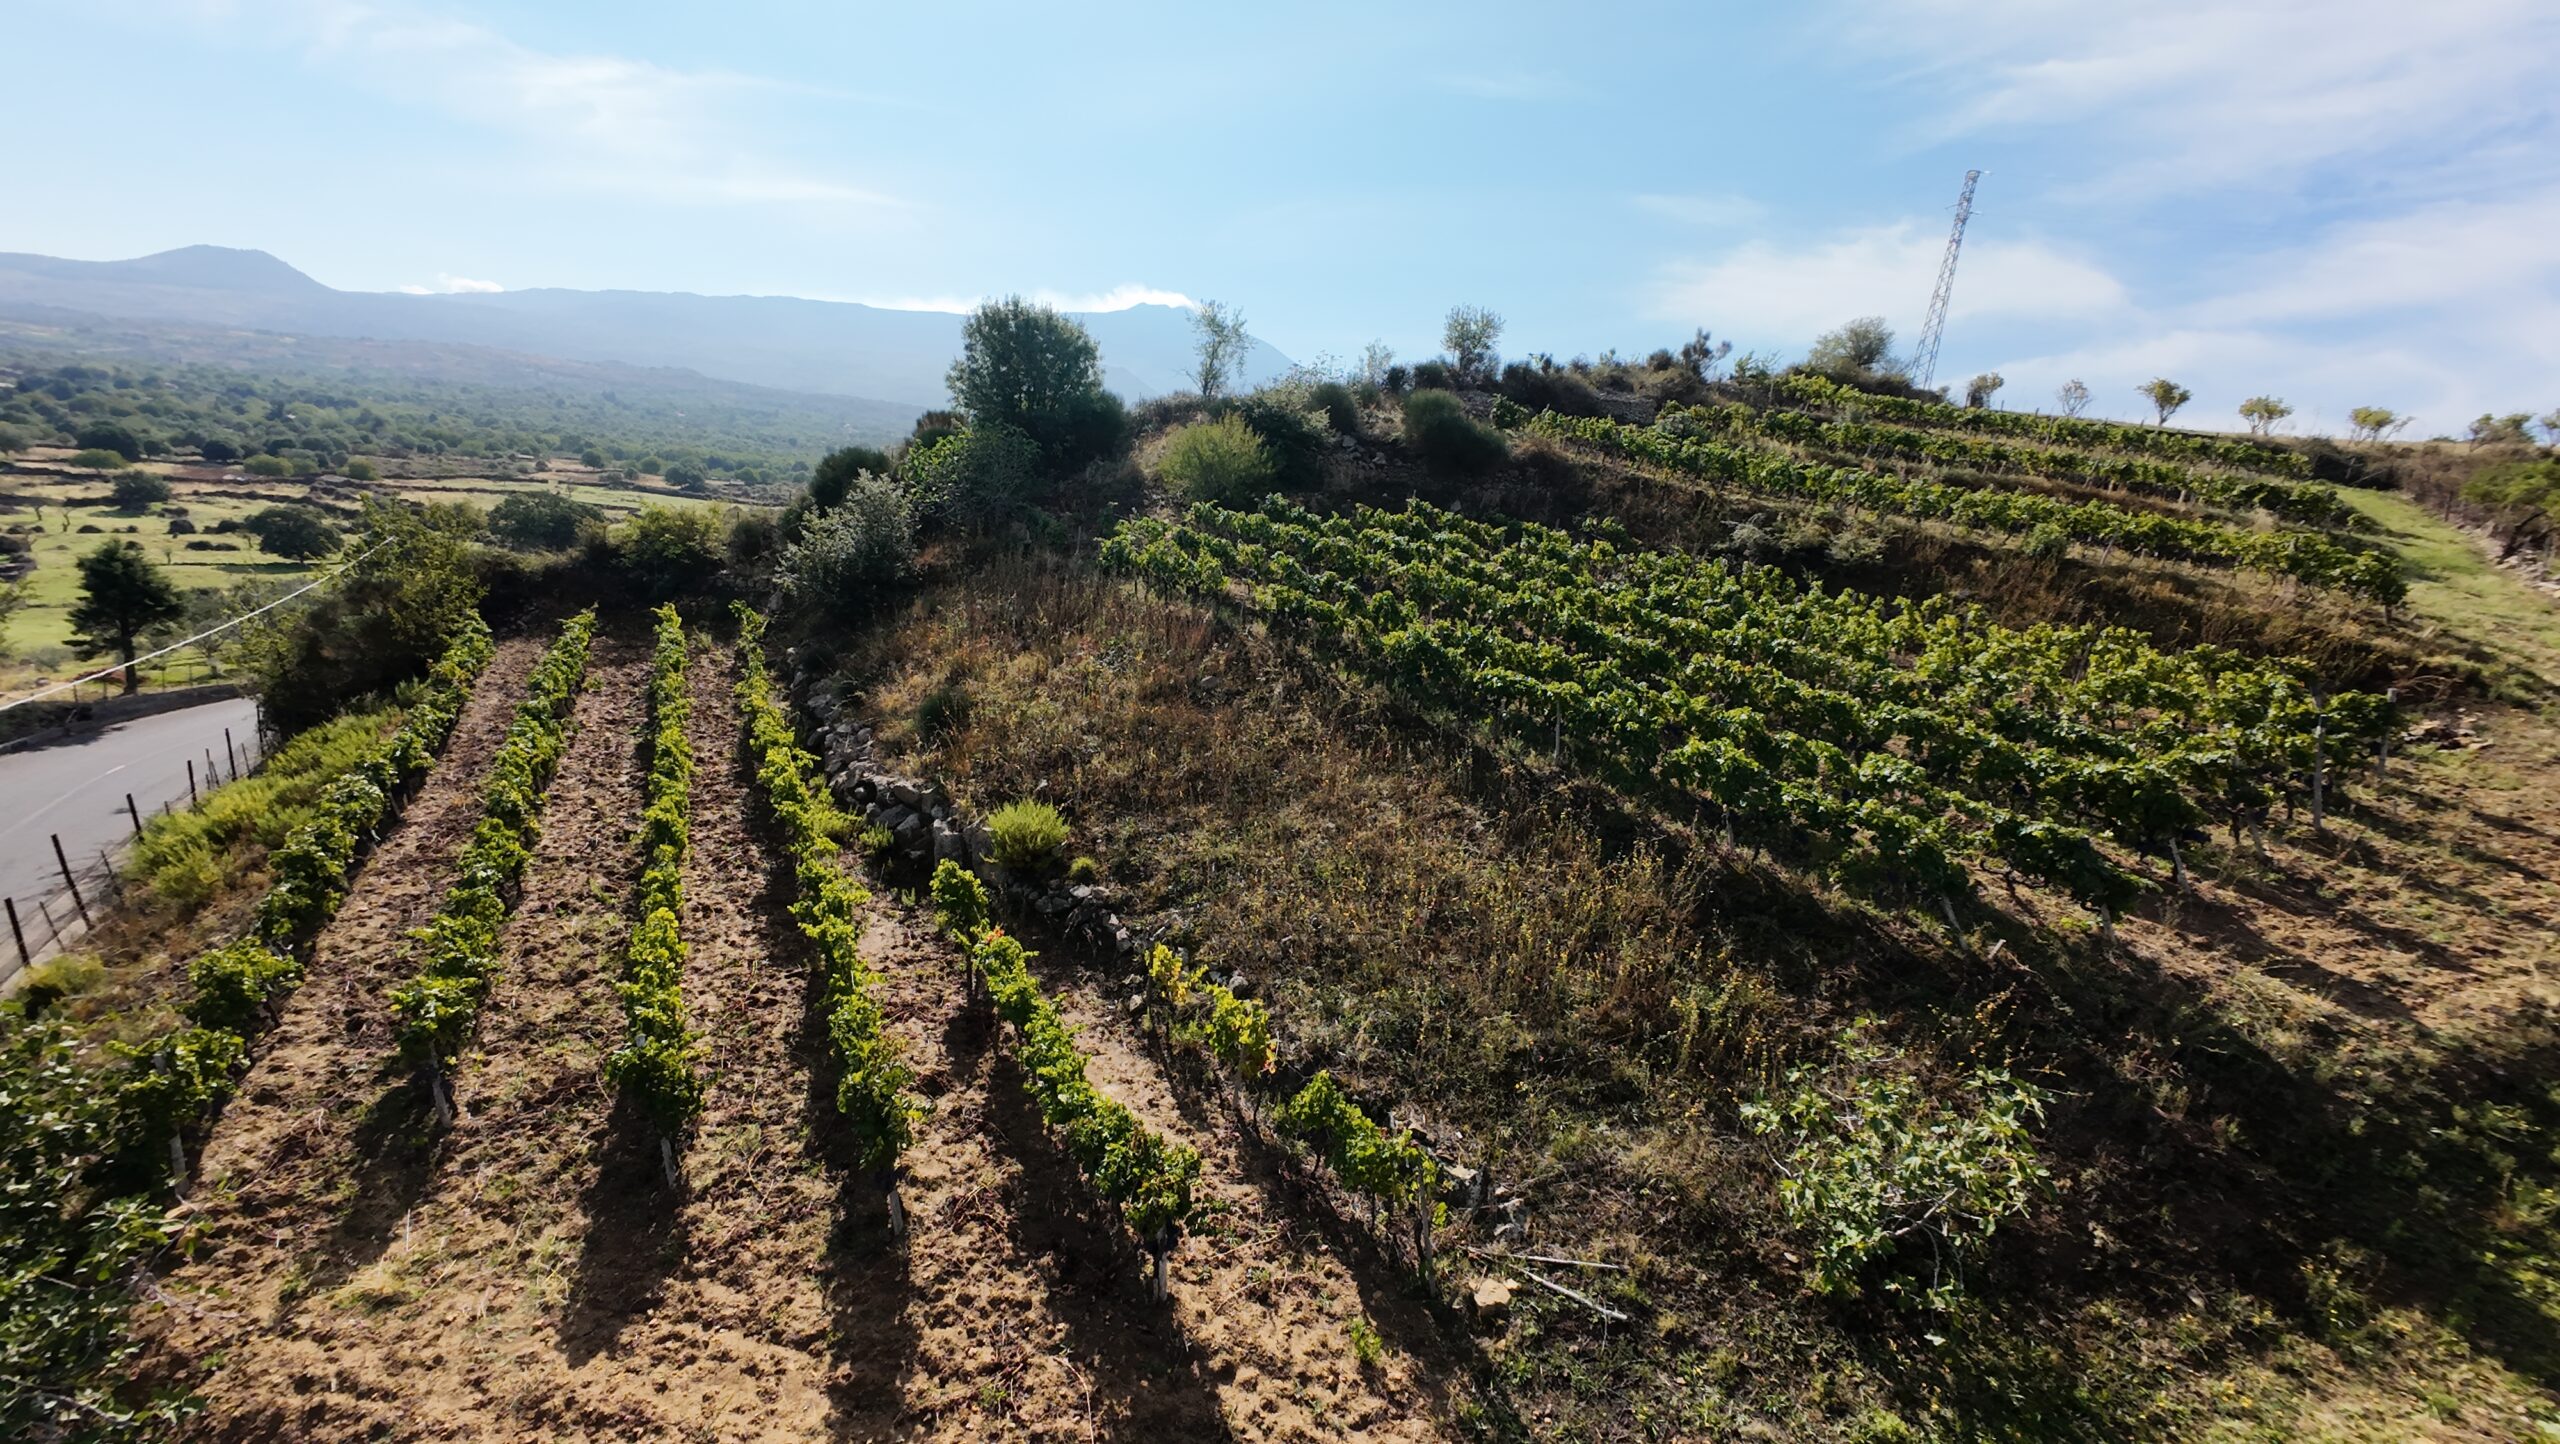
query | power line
[1935, 327]
[104, 672]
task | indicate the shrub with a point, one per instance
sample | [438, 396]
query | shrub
[298, 533]
[1438, 431]
[1295, 438]
[1434, 376]
[1027, 837]
[835, 475]
[1221, 461]
[1340, 407]
[976, 479]
[846, 557]
[1550, 389]
[180, 526]
[944, 711]
[1084, 869]
[668, 550]
[1397, 380]
[112, 436]
[98, 459]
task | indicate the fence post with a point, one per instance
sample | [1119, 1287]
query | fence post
[26, 959]
[69, 881]
[227, 752]
[133, 812]
[192, 799]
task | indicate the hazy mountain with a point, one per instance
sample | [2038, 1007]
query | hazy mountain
[831, 347]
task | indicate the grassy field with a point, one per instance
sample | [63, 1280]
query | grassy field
[2454, 584]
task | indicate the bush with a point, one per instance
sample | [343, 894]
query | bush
[180, 526]
[112, 436]
[1544, 388]
[298, 533]
[846, 557]
[976, 479]
[1220, 461]
[1294, 437]
[1434, 376]
[837, 470]
[97, 459]
[1163, 413]
[669, 550]
[1397, 380]
[1027, 837]
[944, 711]
[1341, 409]
[1439, 432]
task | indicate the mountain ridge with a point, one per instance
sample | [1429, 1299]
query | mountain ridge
[836, 348]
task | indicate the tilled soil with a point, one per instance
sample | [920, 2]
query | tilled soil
[529, 1275]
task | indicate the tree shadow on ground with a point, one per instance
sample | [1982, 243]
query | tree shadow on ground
[636, 1235]
[397, 1144]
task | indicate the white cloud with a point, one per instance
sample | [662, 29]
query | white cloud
[2179, 94]
[602, 122]
[1702, 210]
[1789, 293]
[1118, 298]
[451, 285]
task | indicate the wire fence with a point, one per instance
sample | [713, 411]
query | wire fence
[86, 883]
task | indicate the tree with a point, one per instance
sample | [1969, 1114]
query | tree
[670, 549]
[13, 596]
[1861, 350]
[2373, 423]
[269, 466]
[122, 596]
[2262, 413]
[2549, 421]
[591, 459]
[974, 480]
[2073, 395]
[853, 552]
[296, 533]
[1702, 354]
[2507, 430]
[386, 618]
[2165, 396]
[361, 471]
[542, 521]
[218, 451]
[687, 477]
[134, 490]
[98, 459]
[1469, 335]
[1026, 368]
[1375, 359]
[112, 436]
[11, 440]
[1222, 346]
[1979, 391]
[2523, 497]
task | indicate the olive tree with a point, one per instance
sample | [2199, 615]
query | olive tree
[2373, 423]
[1979, 391]
[2072, 396]
[1222, 345]
[1025, 368]
[2165, 396]
[1469, 335]
[2262, 413]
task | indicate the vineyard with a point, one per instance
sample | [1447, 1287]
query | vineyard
[1903, 743]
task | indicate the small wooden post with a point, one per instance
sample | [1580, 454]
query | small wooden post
[192, 799]
[26, 956]
[69, 881]
[227, 752]
[133, 812]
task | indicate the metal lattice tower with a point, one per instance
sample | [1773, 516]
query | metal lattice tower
[1932, 329]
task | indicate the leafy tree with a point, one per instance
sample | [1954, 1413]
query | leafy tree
[98, 459]
[1702, 354]
[1222, 347]
[134, 490]
[837, 470]
[112, 436]
[934, 426]
[2165, 396]
[218, 451]
[296, 533]
[1220, 461]
[1024, 367]
[591, 459]
[361, 471]
[2523, 498]
[11, 440]
[2507, 430]
[1469, 335]
[1861, 350]
[2372, 423]
[1979, 391]
[687, 477]
[856, 550]
[1376, 359]
[543, 521]
[267, 466]
[2073, 396]
[386, 619]
[2262, 413]
[13, 596]
[122, 596]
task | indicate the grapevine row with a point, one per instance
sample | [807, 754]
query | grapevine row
[1392, 1171]
[1792, 709]
[236, 988]
[872, 1079]
[1129, 1164]
[655, 1069]
[437, 1010]
[2305, 556]
[2052, 430]
[2294, 501]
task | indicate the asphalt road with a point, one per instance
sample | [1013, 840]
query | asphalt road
[77, 788]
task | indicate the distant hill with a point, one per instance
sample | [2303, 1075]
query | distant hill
[831, 347]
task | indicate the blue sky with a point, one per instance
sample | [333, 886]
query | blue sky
[2340, 202]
